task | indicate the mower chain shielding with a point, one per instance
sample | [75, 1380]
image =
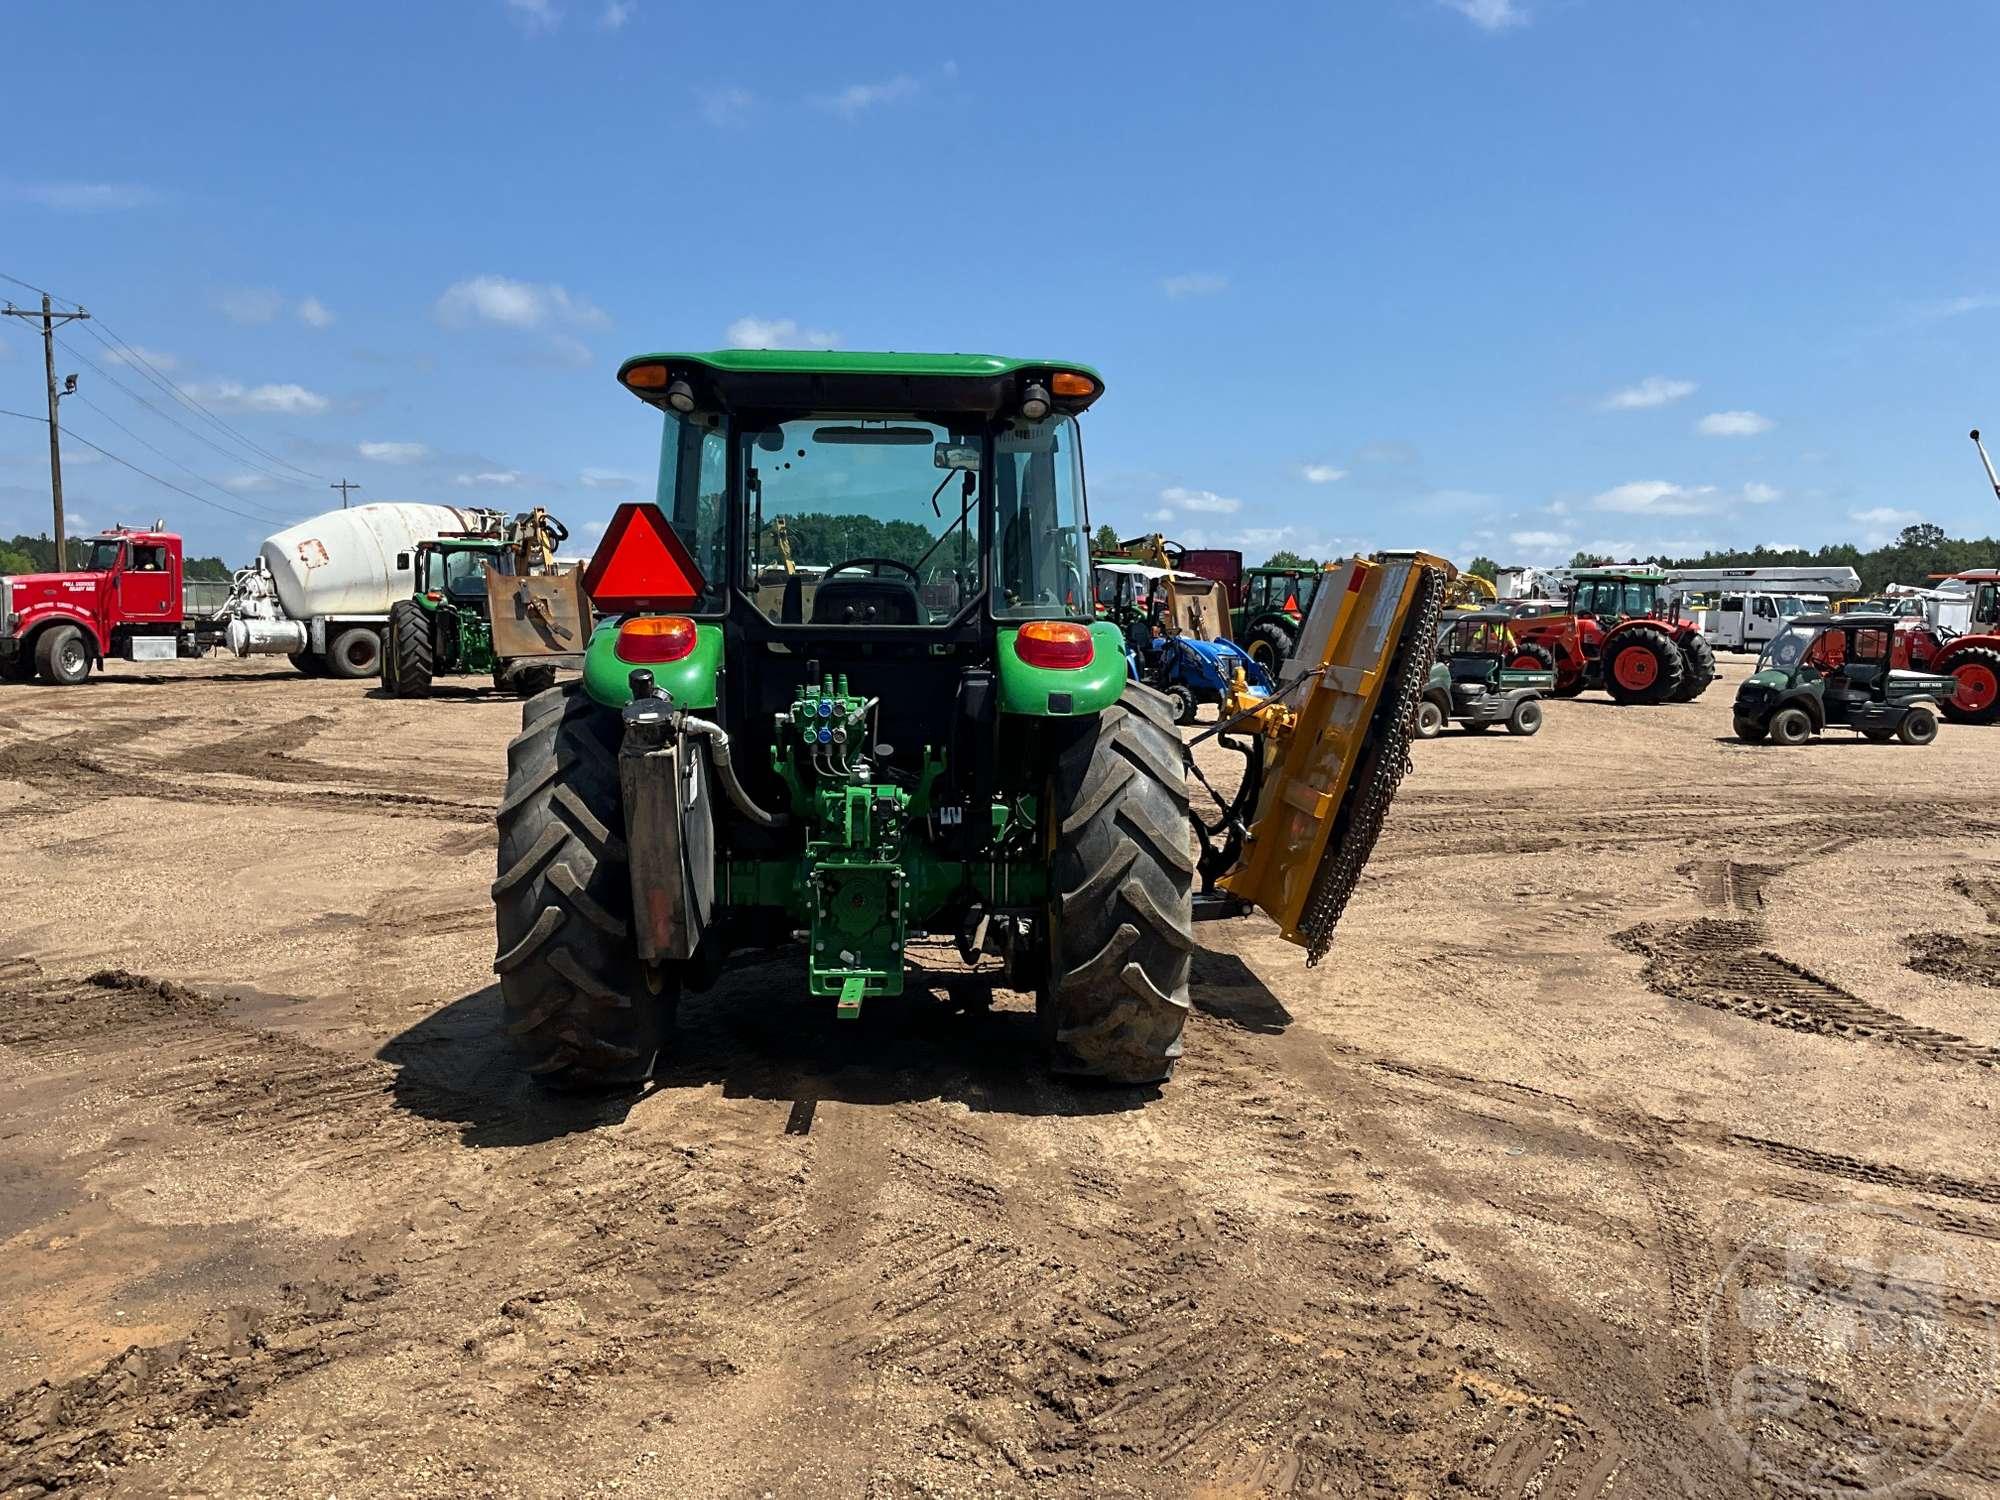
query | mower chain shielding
[1384, 763]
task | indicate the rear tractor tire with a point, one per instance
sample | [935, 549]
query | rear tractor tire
[410, 651]
[1977, 671]
[1697, 669]
[1790, 726]
[1642, 665]
[1269, 644]
[1182, 699]
[62, 656]
[1526, 718]
[1431, 719]
[524, 679]
[579, 1005]
[1121, 897]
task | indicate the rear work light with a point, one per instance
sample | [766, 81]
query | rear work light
[1055, 643]
[656, 638]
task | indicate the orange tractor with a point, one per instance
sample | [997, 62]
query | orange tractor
[1972, 657]
[1620, 630]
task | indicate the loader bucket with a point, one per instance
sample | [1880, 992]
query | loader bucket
[537, 614]
[1336, 746]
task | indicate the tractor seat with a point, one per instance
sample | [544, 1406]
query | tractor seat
[866, 601]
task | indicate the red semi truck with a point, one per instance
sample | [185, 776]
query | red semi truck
[129, 600]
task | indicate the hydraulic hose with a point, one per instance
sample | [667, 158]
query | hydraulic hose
[718, 753]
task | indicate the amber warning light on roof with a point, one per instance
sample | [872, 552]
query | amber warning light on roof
[641, 564]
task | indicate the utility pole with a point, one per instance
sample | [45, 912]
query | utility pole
[343, 487]
[50, 323]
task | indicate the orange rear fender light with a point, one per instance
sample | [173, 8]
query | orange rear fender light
[656, 638]
[1055, 643]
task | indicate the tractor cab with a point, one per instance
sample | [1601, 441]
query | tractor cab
[1839, 671]
[1609, 595]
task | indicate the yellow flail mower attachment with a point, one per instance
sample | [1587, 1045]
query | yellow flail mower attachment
[1324, 753]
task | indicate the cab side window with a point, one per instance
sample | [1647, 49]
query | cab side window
[148, 558]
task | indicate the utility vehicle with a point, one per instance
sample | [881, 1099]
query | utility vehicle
[1839, 671]
[1175, 628]
[1477, 680]
[942, 760]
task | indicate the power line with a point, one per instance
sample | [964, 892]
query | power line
[118, 345]
[40, 291]
[199, 478]
[24, 416]
[167, 416]
[167, 483]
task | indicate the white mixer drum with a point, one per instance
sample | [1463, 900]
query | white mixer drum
[357, 561]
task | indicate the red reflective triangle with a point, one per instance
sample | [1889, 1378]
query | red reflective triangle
[641, 566]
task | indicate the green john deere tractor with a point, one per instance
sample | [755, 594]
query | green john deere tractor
[1275, 600]
[930, 761]
[488, 603]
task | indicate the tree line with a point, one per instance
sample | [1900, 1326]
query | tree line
[37, 554]
[1917, 552]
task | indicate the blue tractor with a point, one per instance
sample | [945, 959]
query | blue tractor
[1176, 639]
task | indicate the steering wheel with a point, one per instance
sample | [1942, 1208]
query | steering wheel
[875, 563]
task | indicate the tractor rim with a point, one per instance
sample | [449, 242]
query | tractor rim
[1635, 668]
[1262, 654]
[1977, 686]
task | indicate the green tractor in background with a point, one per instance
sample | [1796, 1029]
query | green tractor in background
[931, 762]
[1275, 602]
[489, 603]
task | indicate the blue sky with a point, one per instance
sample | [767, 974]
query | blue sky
[1511, 276]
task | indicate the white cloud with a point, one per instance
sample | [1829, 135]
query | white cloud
[394, 453]
[1957, 307]
[1321, 473]
[609, 479]
[315, 313]
[1656, 497]
[616, 14]
[247, 484]
[289, 400]
[1654, 390]
[535, 15]
[1733, 424]
[249, 305]
[133, 354]
[725, 107]
[857, 98]
[1887, 515]
[514, 304]
[1194, 284]
[1489, 15]
[777, 333]
[1756, 493]
[497, 480]
[1205, 501]
[85, 197]
[1538, 541]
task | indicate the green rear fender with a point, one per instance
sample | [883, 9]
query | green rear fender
[1063, 692]
[692, 680]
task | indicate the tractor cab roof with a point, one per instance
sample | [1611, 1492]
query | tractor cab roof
[840, 380]
[1854, 619]
[1479, 617]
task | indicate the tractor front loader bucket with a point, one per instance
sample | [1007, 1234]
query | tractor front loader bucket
[537, 614]
[1335, 741]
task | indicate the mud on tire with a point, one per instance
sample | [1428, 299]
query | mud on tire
[1121, 897]
[577, 1004]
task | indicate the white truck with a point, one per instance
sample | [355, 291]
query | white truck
[319, 592]
[1744, 620]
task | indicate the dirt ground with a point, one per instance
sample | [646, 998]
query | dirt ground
[1637, 1138]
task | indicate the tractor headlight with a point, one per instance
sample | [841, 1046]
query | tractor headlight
[680, 396]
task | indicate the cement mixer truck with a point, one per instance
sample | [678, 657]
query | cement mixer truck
[318, 593]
